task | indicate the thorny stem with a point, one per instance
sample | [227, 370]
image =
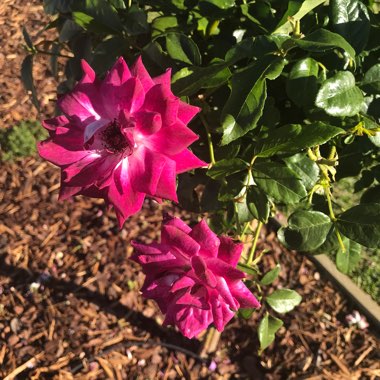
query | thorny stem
[252, 251]
[209, 139]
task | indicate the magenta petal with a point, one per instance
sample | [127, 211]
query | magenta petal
[59, 155]
[164, 79]
[139, 71]
[147, 123]
[186, 161]
[121, 194]
[186, 112]
[224, 290]
[191, 321]
[145, 168]
[167, 186]
[189, 300]
[182, 283]
[66, 192]
[171, 140]
[131, 96]
[54, 123]
[160, 99]
[229, 250]
[89, 73]
[176, 222]
[221, 313]
[175, 237]
[207, 239]
[202, 272]
[243, 295]
[89, 170]
[220, 268]
[118, 74]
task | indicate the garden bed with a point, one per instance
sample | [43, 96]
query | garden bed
[70, 301]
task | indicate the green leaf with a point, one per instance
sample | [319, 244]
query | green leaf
[246, 269]
[106, 53]
[245, 313]
[27, 39]
[98, 15]
[162, 24]
[347, 261]
[306, 7]
[295, 137]
[371, 195]
[306, 169]
[226, 167]
[271, 275]
[302, 86]
[306, 230]
[361, 223]
[27, 79]
[136, 22]
[182, 48]
[234, 187]
[323, 40]
[245, 104]
[279, 182]
[118, 4]
[69, 30]
[350, 19]
[189, 80]
[267, 329]
[258, 204]
[54, 6]
[371, 80]
[339, 96]
[283, 300]
[222, 4]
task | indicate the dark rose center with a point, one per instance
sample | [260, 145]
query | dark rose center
[117, 139]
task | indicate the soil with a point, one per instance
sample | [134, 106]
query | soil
[69, 301]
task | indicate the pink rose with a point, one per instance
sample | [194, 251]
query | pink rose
[121, 138]
[192, 276]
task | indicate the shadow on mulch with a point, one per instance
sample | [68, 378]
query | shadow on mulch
[60, 289]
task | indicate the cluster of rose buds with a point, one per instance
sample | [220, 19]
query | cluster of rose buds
[125, 138]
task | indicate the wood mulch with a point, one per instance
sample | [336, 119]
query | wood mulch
[69, 301]
[70, 306]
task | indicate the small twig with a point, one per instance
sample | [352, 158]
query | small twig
[28, 364]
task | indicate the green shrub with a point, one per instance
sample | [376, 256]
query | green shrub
[20, 140]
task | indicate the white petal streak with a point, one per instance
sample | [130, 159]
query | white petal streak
[93, 127]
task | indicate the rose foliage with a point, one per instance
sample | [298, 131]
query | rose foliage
[289, 100]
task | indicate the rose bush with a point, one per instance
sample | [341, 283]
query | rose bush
[289, 98]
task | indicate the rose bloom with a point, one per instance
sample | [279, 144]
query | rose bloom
[192, 276]
[122, 138]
